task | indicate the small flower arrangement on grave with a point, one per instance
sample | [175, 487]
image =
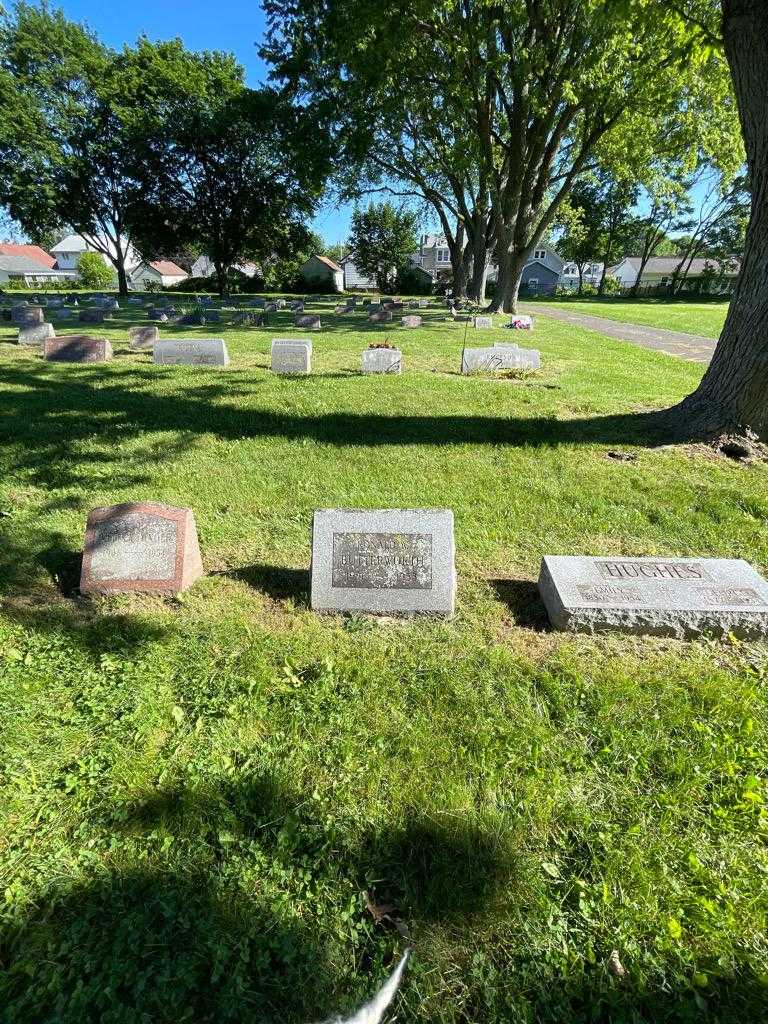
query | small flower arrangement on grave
[381, 344]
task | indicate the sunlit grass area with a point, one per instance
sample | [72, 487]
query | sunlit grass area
[198, 791]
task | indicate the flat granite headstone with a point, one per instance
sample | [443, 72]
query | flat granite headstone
[381, 316]
[411, 321]
[682, 597]
[190, 352]
[143, 337]
[291, 355]
[382, 360]
[141, 546]
[479, 322]
[312, 323]
[35, 334]
[342, 309]
[383, 561]
[26, 314]
[77, 348]
[495, 359]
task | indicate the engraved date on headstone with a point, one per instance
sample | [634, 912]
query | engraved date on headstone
[731, 596]
[382, 561]
[606, 594]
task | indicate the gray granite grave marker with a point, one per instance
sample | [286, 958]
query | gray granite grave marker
[382, 360]
[480, 322]
[35, 334]
[412, 321]
[311, 323]
[291, 355]
[682, 597]
[496, 359]
[143, 337]
[383, 561]
[190, 352]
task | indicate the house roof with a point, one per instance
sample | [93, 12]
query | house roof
[328, 262]
[669, 264]
[22, 265]
[70, 243]
[31, 252]
[168, 268]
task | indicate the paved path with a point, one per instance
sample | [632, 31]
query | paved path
[691, 347]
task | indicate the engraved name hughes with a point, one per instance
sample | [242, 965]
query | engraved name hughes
[680, 572]
[382, 561]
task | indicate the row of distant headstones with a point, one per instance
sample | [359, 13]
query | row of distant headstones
[402, 561]
[288, 355]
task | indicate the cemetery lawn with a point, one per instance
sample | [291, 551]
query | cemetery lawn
[703, 318]
[195, 793]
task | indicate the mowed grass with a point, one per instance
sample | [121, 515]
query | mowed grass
[703, 318]
[197, 792]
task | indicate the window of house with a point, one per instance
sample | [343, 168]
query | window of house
[539, 255]
[533, 283]
[443, 256]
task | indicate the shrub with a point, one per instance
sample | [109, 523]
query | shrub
[93, 271]
[411, 281]
[611, 286]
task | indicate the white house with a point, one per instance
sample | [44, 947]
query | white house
[160, 272]
[659, 270]
[352, 276]
[592, 273]
[323, 271]
[68, 251]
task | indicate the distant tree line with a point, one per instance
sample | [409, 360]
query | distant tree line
[153, 146]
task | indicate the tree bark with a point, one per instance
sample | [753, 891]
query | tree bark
[221, 279]
[732, 397]
[122, 277]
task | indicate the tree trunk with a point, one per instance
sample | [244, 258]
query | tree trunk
[479, 276]
[122, 277]
[732, 397]
[221, 279]
[508, 286]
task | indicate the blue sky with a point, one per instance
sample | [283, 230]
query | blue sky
[236, 26]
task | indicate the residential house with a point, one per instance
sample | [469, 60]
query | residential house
[353, 279]
[659, 270]
[31, 272]
[591, 275]
[68, 251]
[157, 272]
[542, 273]
[30, 252]
[433, 256]
[203, 267]
[321, 271]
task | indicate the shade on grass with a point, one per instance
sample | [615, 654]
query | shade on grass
[196, 792]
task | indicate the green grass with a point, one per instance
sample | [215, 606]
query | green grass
[703, 318]
[197, 791]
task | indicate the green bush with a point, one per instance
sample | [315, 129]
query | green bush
[611, 286]
[93, 271]
[411, 281]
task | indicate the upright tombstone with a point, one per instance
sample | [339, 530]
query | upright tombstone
[382, 360]
[271, 307]
[143, 337]
[311, 323]
[480, 322]
[280, 303]
[351, 302]
[35, 334]
[77, 348]
[682, 597]
[92, 316]
[341, 309]
[291, 355]
[380, 316]
[26, 314]
[190, 352]
[142, 546]
[423, 303]
[498, 358]
[383, 561]
[111, 305]
[411, 321]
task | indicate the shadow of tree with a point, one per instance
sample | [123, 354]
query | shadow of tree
[224, 904]
[279, 583]
[524, 602]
